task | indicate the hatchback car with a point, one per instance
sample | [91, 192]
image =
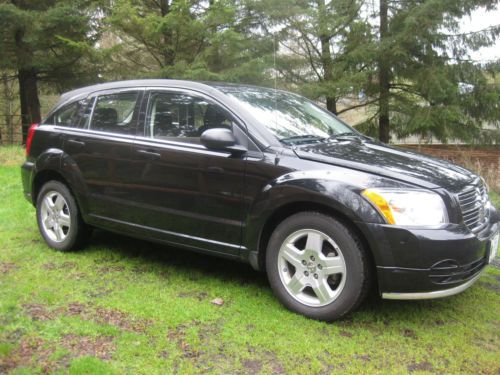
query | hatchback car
[261, 176]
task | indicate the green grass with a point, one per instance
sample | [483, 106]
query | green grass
[495, 198]
[11, 156]
[129, 306]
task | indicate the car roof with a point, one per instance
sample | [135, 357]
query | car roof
[204, 85]
[83, 91]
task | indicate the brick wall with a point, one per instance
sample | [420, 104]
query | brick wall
[484, 160]
[486, 155]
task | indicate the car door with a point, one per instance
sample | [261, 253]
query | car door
[188, 195]
[101, 150]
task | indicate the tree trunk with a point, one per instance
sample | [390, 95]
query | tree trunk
[6, 137]
[331, 105]
[213, 59]
[383, 76]
[28, 90]
[30, 104]
[326, 55]
[167, 52]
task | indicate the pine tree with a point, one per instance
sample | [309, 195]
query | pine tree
[408, 57]
[44, 40]
[321, 47]
[203, 40]
[425, 81]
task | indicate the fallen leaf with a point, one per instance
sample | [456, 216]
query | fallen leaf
[217, 301]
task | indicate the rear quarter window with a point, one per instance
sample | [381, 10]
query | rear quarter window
[74, 115]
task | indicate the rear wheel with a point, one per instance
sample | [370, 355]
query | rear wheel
[317, 266]
[59, 219]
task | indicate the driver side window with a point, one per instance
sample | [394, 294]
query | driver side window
[173, 116]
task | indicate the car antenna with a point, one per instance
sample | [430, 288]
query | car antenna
[279, 152]
[275, 84]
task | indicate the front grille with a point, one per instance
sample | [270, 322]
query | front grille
[473, 201]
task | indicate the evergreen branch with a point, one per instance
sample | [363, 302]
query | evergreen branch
[307, 39]
[306, 55]
[129, 57]
[485, 30]
[311, 61]
[10, 77]
[149, 48]
[54, 52]
[293, 50]
[298, 77]
[406, 88]
[349, 21]
[368, 102]
[457, 59]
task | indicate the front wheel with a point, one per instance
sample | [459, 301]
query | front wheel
[59, 219]
[317, 266]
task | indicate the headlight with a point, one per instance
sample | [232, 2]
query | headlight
[408, 207]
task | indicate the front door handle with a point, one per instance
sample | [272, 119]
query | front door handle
[150, 154]
[76, 142]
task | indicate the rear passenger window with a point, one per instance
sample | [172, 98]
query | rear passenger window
[115, 113]
[72, 115]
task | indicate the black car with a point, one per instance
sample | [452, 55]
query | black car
[262, 176]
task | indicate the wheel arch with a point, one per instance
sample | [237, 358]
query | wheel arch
[292, 208]
[44, 176]
[55, 164]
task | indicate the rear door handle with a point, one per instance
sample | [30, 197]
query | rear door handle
[150, 154]
[215, 169]
[76, 142]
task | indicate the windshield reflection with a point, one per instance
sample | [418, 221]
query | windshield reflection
[291, 118]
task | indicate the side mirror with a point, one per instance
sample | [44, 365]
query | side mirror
[221, 139]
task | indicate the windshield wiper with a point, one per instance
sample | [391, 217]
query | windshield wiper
[344, 134]
[309, 138]
[296, 139]
[347, 135]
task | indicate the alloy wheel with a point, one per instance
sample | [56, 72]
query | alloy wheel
[55, 216]
[312, 267]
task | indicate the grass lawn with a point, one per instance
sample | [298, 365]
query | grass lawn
[495, 198]
[129, 306]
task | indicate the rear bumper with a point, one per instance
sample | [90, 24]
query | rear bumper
[425, 264]
[27, 178]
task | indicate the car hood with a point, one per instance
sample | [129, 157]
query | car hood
[378, 158]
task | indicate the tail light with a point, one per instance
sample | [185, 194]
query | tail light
[29, 138]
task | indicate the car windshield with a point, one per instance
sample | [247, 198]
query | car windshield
[293, 119]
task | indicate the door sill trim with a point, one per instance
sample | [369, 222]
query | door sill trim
[167, 232]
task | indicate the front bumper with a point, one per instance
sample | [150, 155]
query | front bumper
[428, 263]
[435, 294]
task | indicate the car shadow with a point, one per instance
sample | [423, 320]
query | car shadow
[185, 260]
[193, 264]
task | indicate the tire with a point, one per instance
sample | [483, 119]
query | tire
[317, 266]
[58, 217]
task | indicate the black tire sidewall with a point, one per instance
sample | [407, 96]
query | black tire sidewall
[75, 226]
[351, 251]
